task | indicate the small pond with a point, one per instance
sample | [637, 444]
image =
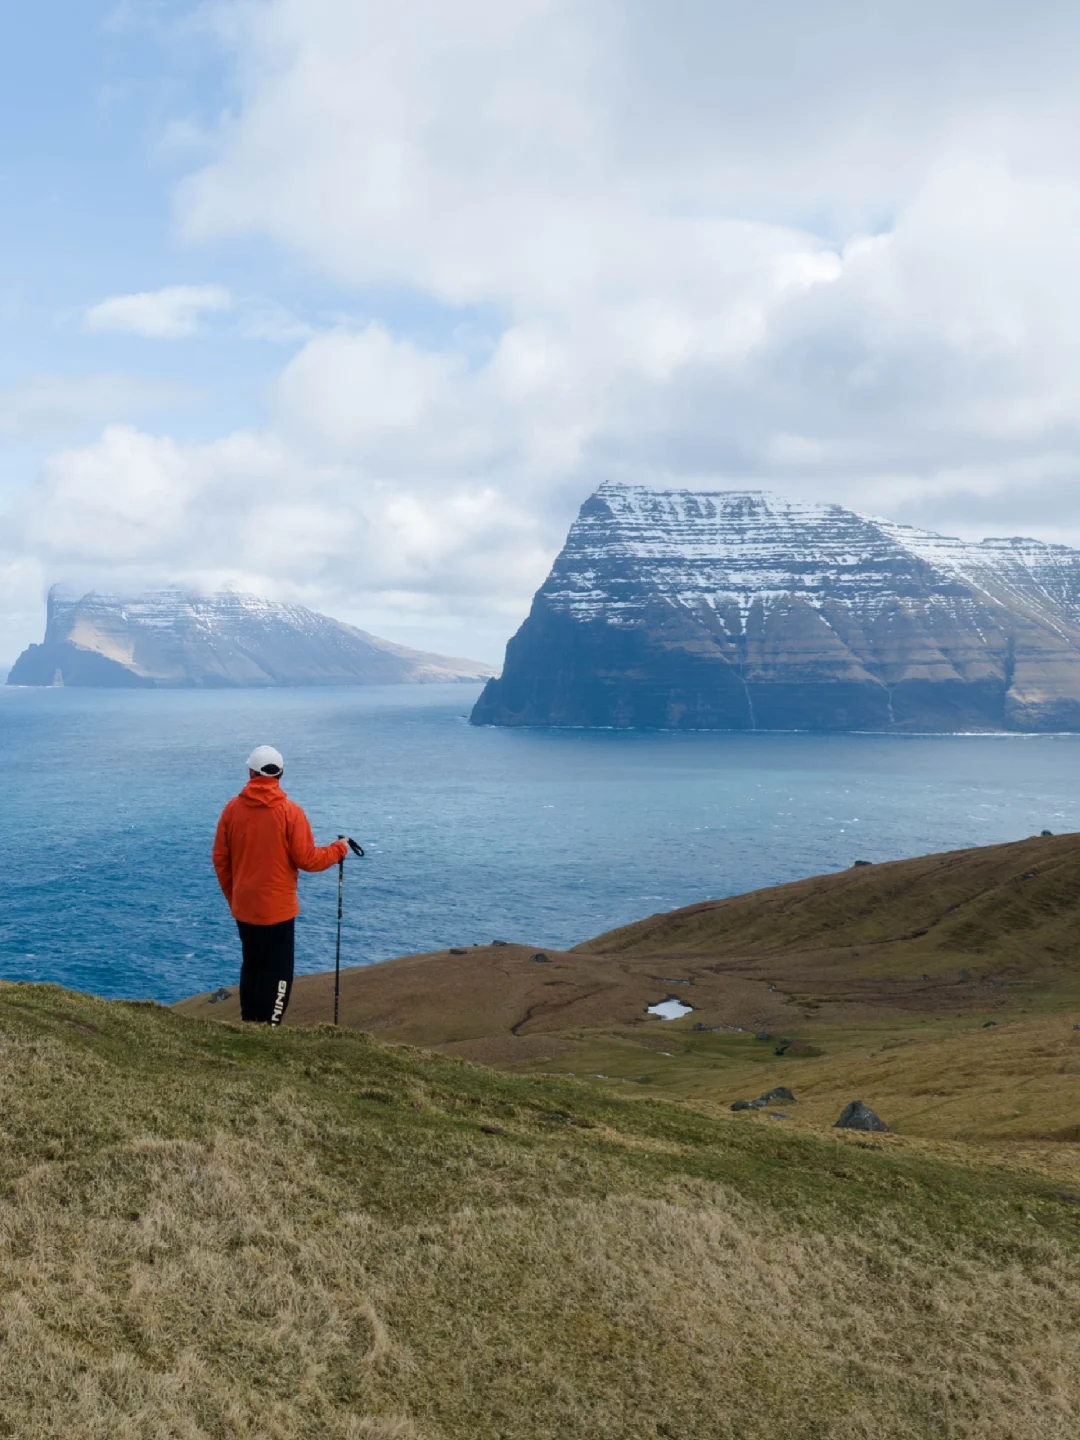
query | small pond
[669, 1009]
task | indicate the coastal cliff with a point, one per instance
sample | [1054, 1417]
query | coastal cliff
[167, 638]
[741, 610]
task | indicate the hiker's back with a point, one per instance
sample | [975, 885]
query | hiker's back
[257, 828]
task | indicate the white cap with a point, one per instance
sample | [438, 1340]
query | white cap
[265, 760]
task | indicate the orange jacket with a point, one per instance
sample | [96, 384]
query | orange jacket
[263, 838]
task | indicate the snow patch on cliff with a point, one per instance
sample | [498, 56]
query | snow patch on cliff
[633, 546]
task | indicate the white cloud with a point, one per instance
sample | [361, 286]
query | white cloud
[267, 320]
[53, 404]
[172, 313]
[123, 496]
[632, 191]
[253, 512]
[711, 243]
[179, 311]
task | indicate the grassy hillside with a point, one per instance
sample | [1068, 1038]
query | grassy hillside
[888, 973]
[997, 908]
[210, 1232]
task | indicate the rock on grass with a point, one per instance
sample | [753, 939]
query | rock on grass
[857, 1116]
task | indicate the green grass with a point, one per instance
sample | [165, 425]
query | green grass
[215, 1231]
[936, 1079]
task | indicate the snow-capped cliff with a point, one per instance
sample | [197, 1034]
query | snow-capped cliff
[168, 638]
[740, 609]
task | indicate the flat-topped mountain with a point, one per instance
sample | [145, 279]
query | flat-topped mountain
[167, 638]
[741, 610]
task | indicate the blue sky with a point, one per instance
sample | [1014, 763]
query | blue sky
[354, 305]
[100, 108]
[95, 104]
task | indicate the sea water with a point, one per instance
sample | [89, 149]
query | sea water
[109, 799]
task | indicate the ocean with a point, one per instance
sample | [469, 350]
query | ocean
[109, 799]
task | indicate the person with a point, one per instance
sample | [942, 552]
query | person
[263, 838]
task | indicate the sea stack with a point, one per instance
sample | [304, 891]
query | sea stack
[740, 610]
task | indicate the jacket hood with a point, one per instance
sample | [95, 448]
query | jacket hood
[263, 790]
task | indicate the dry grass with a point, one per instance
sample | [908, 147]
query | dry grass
[1012, 1090]
[891, 970]
[1009, 906]
[970, 935]
[210, 1233]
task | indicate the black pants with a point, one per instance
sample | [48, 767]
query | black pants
[266, 975]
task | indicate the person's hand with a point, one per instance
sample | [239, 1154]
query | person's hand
[353, 846]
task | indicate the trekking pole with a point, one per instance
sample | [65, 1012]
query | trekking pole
[357, 850]
[337, 955]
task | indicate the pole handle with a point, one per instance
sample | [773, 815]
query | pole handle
[353, 846]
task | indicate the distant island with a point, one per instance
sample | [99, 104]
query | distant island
[171, 639]
[740, 610]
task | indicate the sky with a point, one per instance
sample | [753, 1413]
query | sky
[353, 304]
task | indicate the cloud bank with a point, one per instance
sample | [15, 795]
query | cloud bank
[827, 250]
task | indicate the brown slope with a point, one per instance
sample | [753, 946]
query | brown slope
[1009, 907]
[972, 932]
[492, 1003]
